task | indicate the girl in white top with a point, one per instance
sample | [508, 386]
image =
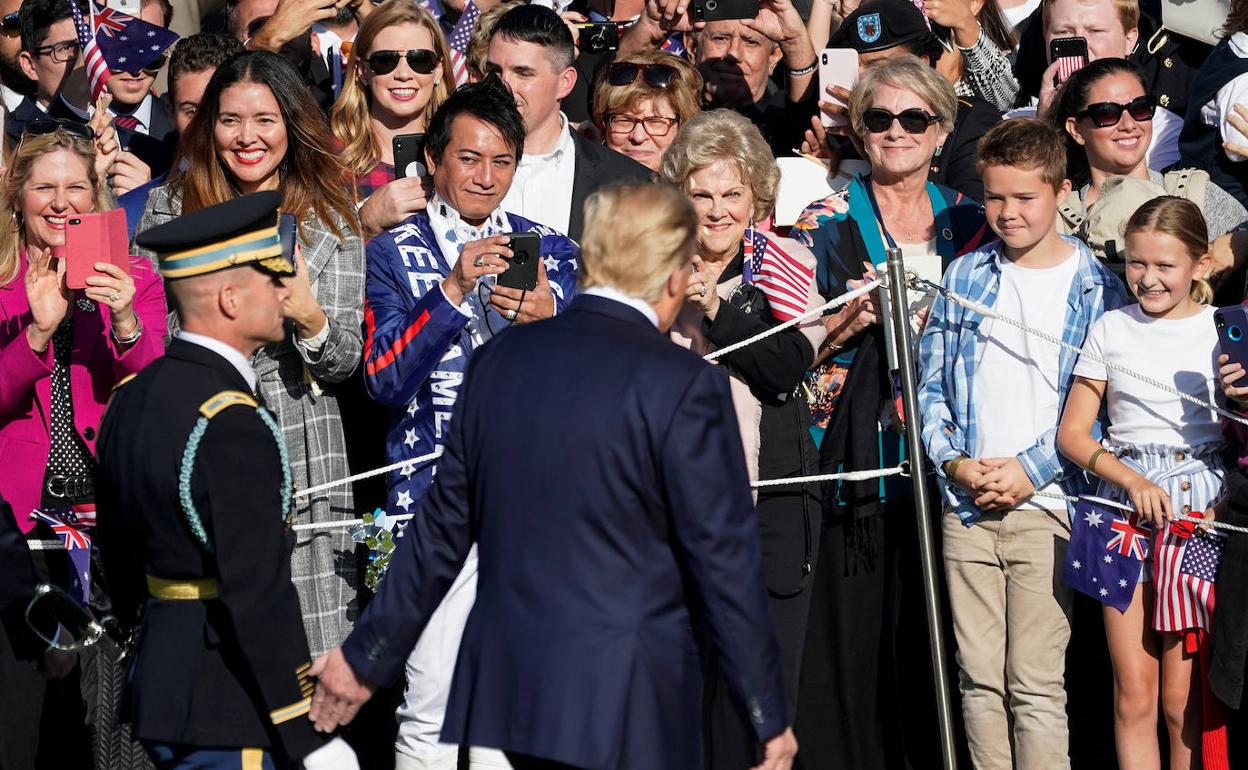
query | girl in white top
[1160, 457]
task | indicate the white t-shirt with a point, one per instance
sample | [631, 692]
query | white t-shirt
[1015, 384]
[1182, 353]
[1214, 112]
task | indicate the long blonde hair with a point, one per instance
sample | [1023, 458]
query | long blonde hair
[349, 118]
[1183, 220]
[31, 148]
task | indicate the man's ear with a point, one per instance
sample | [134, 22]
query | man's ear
[228, 300]
[567, 80]
[27, 62]
[774, 59]
[1133, 37]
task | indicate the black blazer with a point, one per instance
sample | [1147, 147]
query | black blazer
[222, 672]
[609, 518]
[15, 122]
[157, 146]
[597, 167]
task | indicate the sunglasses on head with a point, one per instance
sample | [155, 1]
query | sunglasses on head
[44, 124]
[421, 60]
[655, 75]
[912, 121]
[10, 25]
[1107, 114]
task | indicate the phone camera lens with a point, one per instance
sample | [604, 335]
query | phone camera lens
[1235, 333]
[711, 5]
[520, 258]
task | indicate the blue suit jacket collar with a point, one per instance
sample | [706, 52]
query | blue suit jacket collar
[618, 310]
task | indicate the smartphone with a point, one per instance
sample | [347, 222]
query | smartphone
[526, 252]
[837, 67]
[1232, 326]
[718, 10]
[91, 238]
[1070, 53]
[128, 7]
[288, 231]
[597, 37]
[409, 156]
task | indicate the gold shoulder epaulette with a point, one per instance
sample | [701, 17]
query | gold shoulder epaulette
[224, 400]
[124, 380]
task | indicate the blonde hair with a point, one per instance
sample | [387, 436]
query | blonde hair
[29, 150]
[684, 94]
[619, 217]
[479, 44]
[349, 118]
[724, 135]
[909, 73]
[1182, 220]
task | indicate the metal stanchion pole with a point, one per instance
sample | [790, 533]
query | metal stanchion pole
[918, 477]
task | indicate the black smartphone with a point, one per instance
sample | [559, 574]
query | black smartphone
[597, 37]
[1070, 54]
[526, 252]
[409, 156]
[288, 232]
[718, 10]
[1232, 325]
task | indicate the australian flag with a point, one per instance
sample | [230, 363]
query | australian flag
[1108, 546]
[70, 526]
[129, 44]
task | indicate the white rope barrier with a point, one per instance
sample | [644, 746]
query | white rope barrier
[848, 296]
[367, 474]
[1215, 524]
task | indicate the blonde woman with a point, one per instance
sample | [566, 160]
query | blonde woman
[400, 71]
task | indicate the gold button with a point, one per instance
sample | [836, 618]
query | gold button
[1186, 485]
[1187, 509]
[1164, 101]
[1168, 62]
[1180, 456]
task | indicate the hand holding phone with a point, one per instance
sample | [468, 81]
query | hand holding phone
[409, 156]
[837, 67]
[1070, 54]
[720, 10]
[91, 238]
[1232, 325]
[521, 272]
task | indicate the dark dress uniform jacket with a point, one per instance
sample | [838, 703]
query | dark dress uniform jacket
[223, 672]
[609, 519]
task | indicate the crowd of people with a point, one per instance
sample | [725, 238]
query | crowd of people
[332, 209]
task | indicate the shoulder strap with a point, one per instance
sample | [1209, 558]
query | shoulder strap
[1071, 212]
[224, 400]
[1189, 183]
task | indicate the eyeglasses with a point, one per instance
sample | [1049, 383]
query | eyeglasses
[1107, 114]
[421, 60]
[655, 125]
[45, 124]
[656, 75]
[11, 25]
[61, 52]
[154, 67]
[912, 121]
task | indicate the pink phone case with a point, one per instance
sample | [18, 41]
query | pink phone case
[91, 238]
[837, 66]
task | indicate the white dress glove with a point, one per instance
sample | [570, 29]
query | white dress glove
[335, 755]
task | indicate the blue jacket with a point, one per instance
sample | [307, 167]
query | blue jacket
[608, 517]
[416, 343]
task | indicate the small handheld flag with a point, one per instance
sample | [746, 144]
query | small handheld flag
[1108, 546]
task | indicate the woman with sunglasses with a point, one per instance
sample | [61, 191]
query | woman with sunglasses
[1108, 119]
[901, 111]
[400, 72]
[744, 282]
[62, 351]
[640, 102]
[258, 128]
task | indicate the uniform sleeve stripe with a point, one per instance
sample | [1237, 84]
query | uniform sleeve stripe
[387, 358]
[297, 709]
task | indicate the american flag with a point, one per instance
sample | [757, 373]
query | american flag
[1067, 66]
[1107, 549]
[93, 57]
[785, 281]
[1186, 572]
[461, 36]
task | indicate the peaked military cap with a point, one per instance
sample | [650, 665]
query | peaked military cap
[881, 24]
[242, 231]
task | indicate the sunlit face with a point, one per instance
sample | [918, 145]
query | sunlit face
[185, 93]
[129, 88]
[530, 71]
[475, 171]
[402, 94]
[57, 187]
[1093, 20]
[1019, 205]
[1118, 149]
[251, 136]
[724, 203]
[894, 151]
[1160, 272]
[641, 144]
[735, 61]
[260, 298]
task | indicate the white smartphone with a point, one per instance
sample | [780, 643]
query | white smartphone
[128, 7]
[837, 67]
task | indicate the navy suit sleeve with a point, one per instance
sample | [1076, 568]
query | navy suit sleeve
[716, 531]
[429, 556]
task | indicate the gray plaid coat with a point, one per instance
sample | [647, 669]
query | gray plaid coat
[298, 388]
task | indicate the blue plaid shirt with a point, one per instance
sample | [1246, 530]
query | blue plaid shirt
[947, 356]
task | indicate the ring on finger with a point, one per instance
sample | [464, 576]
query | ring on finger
[702, 289]
[510, 315]
[114, 297]
[479, 261]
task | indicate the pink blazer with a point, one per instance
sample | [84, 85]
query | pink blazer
[95, 367]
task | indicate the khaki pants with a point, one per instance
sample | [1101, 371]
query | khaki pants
[1011, 619]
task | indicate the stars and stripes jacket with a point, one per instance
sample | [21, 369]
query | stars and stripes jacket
[417, 344]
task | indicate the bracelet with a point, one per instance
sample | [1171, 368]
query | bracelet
[951, 467]
[1095, 456]
[804, 70]
[133, 336]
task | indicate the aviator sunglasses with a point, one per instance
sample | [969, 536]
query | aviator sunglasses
[1106, 114]
[912, 121]
[656, 75]
[421, 60]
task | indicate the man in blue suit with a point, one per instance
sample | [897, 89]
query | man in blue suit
[610, 518]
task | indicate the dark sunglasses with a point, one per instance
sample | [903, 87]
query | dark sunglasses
[44, 124]
[912, 121]
[10, 25]
[155, 66]
[1106, 114]
[421, 60]
[656, 75]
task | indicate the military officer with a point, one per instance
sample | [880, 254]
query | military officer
[194, 493]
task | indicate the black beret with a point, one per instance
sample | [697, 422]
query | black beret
[880, 25]
[237, 232]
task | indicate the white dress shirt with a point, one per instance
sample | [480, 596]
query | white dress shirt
[612, 293]
[228, 352]
[541, 190]
[142, 113]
